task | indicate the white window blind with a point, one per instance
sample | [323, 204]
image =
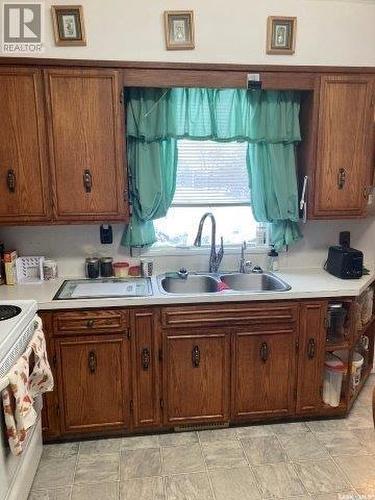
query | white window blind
[211, 174]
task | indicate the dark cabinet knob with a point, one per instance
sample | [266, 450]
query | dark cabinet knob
[92, 362]
[311, 348]
[11, 180]
[87, 180]
[264, 352]
[145, 358]
[90, 323]
[341, 178]
[196, 356]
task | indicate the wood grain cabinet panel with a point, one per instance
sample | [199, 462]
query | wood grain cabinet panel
[145, 359]
[24, 190]
[311, 356]
[263, 372]
[196, 377]
[50, 411]
[87, 144]
[345, 146]
[93, 383]
[91, 321]
[228, 314]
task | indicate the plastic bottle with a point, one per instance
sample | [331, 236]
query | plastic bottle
[273, 259]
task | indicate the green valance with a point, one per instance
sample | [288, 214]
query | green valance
[214, 114]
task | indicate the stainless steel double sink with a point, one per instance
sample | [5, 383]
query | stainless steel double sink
[172, 283]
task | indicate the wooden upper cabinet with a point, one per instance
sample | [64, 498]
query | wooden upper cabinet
[23, 150]
[86, 134]
[345, 146]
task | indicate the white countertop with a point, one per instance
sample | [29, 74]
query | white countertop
[305, 283]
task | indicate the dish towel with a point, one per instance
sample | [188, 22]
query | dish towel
[24, 387]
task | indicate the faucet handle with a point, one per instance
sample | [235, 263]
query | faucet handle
[247, 267]
[183, 273]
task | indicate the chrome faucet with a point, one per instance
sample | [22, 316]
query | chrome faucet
[242, 259]
[215, 258]
[245, 265]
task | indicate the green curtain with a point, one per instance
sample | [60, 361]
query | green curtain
[152, 169]
[267, 120]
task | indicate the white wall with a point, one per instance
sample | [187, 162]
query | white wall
[329, 32]
[69, 245]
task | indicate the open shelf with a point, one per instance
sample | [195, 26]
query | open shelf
[332, 346]
[364, 377]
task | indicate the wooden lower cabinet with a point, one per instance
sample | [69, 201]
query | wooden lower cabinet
[93, 383]
[263, 372]
[125, 370]
[312, 341]
[50, 411]
[145, 361]
[196, 367]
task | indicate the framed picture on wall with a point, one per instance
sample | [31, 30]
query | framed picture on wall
[179, 29]
[281, 35]
[68, 25]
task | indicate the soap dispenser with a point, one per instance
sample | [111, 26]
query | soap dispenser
[273, 259]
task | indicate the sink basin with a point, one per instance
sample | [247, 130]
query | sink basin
[265, 282]
[194, 283]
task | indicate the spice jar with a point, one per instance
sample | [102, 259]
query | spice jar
[121, 269]
[92, 267]
[106, 267]
[49, 269]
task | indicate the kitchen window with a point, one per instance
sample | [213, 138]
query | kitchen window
[211, 177]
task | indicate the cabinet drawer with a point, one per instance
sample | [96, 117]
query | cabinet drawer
[229, 314]
[87, 322]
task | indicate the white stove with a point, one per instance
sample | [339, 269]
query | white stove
[13, 329]
[17, 326]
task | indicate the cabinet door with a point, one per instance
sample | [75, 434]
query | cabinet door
[93, 383]
[311, 356]
[145, 346]
[263, 372]
[345, 146]
[50, 412]
[86, 144]
[23, 154]
[196, 377]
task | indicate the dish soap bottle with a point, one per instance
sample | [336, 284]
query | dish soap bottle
[273, 259]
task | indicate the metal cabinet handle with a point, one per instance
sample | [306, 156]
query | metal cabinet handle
[311, 348]
[341, 178]
[146, 358]
[90, 323]
[11, 180]
[87, 180]
[196, 356]
[92, 362]
[264, 352]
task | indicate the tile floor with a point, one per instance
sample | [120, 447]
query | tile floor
[326, 460]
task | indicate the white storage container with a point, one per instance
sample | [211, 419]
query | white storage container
[333, 375]
[356, 368]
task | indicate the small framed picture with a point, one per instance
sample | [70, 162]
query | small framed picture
[281, 35]
[68, 25]
[179, 29]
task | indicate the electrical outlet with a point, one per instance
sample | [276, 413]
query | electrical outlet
[106, 234]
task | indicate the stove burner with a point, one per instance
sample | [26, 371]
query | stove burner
[7, 312]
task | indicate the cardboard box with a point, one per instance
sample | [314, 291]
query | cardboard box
[10, 258]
